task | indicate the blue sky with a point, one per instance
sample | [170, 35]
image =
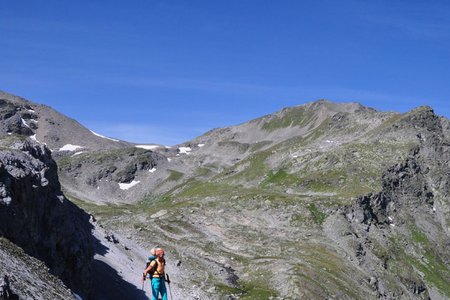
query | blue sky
[168, 71]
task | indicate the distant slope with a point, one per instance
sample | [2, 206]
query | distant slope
[222, 151]
[20, 116]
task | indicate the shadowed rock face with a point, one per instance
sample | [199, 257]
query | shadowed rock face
[29, 278]
[35, 215]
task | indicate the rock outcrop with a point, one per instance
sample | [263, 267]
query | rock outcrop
[28, 277]
[406, 224]
[35, 215]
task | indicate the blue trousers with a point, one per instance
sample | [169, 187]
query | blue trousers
[159, 286]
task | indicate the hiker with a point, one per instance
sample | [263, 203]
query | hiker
[157, 275]
[151, 258]
[5, 291]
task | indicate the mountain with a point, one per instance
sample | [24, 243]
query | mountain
[314, 201]
[101, 175]
[44, 124]
[319, 201]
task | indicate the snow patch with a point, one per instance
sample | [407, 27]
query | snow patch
[200, 145]
[9, 133]
[184, 150]
[31, 111]
[147, 147]
[152, 170]
[390, 219]
[105, 137]
[392, 225]
[169, 159]
[77, 153]
[126, 186]
[24, 123]
[33, 137]
[70, 147]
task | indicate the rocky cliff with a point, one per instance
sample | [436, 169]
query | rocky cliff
[35, 215]
[404, 228]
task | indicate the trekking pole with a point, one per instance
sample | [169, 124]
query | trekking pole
[170, 289]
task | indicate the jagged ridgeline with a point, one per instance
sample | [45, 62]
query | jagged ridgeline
[320, 201]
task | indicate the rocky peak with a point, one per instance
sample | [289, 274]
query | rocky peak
[14, 99]
[22, 117]
[322, 105]
[15, 119]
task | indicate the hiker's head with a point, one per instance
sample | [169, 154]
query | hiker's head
[159, 252]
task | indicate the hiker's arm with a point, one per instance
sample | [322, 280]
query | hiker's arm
[149, 268]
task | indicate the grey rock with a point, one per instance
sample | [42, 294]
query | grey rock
[37, 220]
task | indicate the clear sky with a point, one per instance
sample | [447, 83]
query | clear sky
[167, 71]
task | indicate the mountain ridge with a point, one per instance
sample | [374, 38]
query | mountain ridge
[53, 128]
[321, 200]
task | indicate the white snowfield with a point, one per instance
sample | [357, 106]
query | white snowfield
[105, 137]
[70, 147]
[200, 145]
[24, 123]
[152, 170]
[147, 147]
[184, 150]
[126, 186]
